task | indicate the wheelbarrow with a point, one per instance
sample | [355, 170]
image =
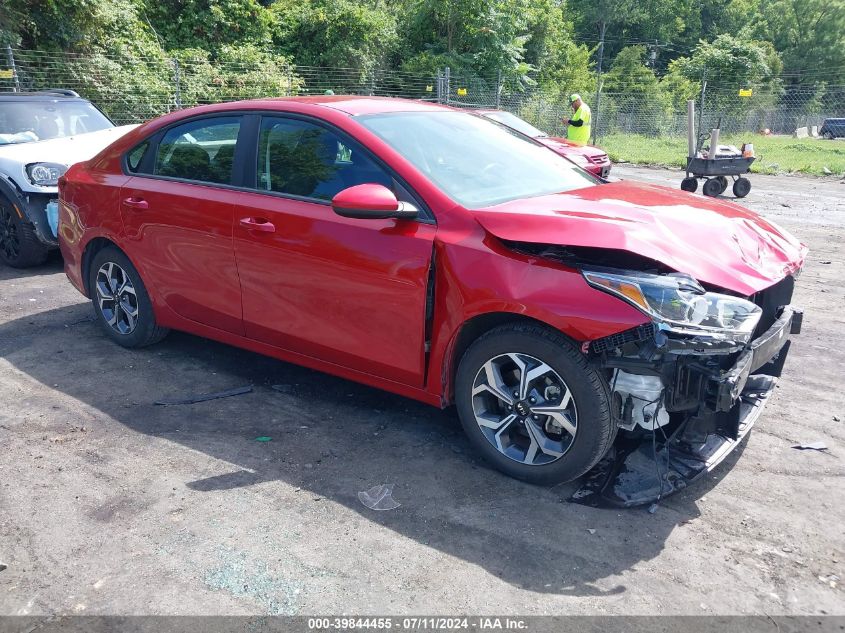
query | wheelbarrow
[714, 170]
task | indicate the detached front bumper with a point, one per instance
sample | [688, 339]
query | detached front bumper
[639, 471]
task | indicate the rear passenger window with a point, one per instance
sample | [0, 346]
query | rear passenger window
[200, 150]
[303, 159]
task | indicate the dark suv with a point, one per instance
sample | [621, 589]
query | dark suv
[41, 135]
[833, 128]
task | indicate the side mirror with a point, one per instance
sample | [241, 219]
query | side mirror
[371, 201]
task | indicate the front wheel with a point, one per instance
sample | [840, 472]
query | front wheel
[712, 187]
[532, 406]
[19, 245]
[689, 184]
[741, 187]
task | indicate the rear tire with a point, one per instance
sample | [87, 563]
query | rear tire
[121, 302]
[19, 245]
[558, 425]
[723, 184]
[741, 187]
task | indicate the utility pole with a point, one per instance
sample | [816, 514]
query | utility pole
[602, 30]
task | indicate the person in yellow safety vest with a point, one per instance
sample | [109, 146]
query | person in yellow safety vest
[578, 127]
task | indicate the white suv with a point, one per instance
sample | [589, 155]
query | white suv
[41, 135]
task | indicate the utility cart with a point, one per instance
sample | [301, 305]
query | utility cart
[715, 169]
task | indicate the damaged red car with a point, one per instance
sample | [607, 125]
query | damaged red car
[587, 157]
[623, 331]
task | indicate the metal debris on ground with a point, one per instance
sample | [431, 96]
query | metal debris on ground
[811, 446]
[652, 508]
[263, 438]
[237, 391]
[379, 498]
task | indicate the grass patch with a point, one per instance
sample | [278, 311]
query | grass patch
[775, 154]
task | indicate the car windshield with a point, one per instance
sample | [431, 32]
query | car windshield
[476, 162]
[515, 123]
[27, 121]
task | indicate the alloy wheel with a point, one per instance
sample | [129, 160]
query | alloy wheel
[117, 298]
[524, 408]
[9, 239]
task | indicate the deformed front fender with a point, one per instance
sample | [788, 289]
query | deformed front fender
[480, 286]
[30, 207]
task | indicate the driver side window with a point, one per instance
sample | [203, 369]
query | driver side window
[302, 159]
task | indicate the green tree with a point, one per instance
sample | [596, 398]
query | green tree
[209, 24]
[810, 36]
[632, 94]
[339, 33]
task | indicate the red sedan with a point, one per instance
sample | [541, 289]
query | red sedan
[593, 159]
[437, 255]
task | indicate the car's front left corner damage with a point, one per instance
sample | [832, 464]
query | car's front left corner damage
[684, 402]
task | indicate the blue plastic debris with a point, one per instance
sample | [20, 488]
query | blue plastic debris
[52, 210]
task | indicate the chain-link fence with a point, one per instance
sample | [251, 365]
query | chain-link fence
[132, 89]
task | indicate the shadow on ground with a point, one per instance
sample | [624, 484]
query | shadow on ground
[335, 438]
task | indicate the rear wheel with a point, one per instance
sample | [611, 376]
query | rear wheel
[689, 184]
[19, 245]
[723, 184]
[712, 187]
[123, 306]
[532, 406]
[741, 187]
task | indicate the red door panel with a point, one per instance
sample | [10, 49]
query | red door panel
[347, 291]
[181, 235]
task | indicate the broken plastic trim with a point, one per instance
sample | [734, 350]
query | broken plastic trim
[629, 476]
[642, 469]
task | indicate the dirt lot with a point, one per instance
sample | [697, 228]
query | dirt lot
[110, 504]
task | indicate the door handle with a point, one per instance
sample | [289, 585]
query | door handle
[258, 224]
[136, 203]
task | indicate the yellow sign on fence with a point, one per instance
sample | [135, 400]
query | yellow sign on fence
[429, 88]
[6, 73]
[745, 92]
[462, 92]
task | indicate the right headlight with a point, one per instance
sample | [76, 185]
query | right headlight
[45, 174]
[679, 304]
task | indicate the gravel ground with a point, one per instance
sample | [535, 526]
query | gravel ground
[110, 504]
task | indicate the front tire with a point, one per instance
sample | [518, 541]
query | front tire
[712, 187]
[689, 184]
[19, 245]
[532, 406]
[741, 187]
[121, 302]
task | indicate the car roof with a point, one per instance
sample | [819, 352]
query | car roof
[351, 104]
[43, 95]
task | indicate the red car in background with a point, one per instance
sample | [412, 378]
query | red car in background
[593, 159]
[437, 255]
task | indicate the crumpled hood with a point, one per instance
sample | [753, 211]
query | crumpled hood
[715, 241]
[64, 151]
[563, 146]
